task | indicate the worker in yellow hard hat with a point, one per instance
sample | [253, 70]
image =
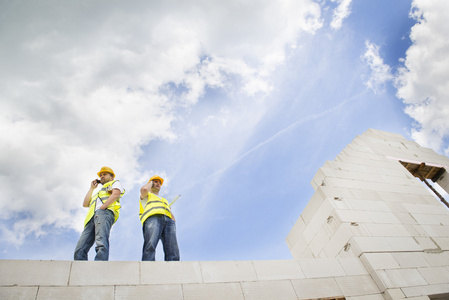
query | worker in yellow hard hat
[104, 209]
[158, 222]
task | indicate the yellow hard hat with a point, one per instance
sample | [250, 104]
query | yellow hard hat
[157, 177]
[106, 170]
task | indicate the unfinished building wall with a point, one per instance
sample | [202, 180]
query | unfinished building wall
[369, 205]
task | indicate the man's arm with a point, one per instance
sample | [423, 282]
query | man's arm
[114, 196]
[145, 190]
[93, 186]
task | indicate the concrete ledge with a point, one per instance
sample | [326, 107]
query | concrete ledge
[20, 279]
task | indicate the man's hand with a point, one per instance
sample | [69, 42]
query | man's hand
[94, 184]
[114, 196]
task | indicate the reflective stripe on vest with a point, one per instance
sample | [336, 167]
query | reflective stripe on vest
[155, 205]
[103, 195]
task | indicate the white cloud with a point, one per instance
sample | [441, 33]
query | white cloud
[423, 82]
[87, 85]
[341, 12]
[380, 72]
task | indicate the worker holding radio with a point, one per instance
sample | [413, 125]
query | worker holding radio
[158, 222]
[104, 209]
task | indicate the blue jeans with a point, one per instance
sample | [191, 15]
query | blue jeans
[96, 230]
[155, 228]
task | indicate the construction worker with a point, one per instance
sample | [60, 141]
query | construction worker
[104, 208]
[158, 222]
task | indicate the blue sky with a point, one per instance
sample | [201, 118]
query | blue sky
[235, 104]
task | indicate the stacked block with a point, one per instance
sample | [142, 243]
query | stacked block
[367, 205]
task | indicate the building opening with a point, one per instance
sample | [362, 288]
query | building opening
[425, 172]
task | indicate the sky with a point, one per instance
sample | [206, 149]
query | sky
[236, 104]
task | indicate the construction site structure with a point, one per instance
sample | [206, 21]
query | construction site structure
[376, 228]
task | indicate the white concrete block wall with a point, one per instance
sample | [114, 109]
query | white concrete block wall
[284, 279]
[397, 217]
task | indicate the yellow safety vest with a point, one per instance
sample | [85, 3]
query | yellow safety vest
[104, 194]
[155, 205]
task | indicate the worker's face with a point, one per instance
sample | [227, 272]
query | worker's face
[105, 177]
[156, 185]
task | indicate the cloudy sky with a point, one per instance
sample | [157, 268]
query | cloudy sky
[235, 103]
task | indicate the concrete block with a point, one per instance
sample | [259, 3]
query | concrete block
[18, 292]
[333, 191]
[378, 277]
[319, 241]
[316, 288]
[317, 221]
[435, 275]
[379, 261]
[307, 254]
[410, 259]
[403, 244]
[405, 218]
[348, 216]
[88, 273]
[370, 244]
[348, 251]
[332, 225]
[415, 230]
[34, 272]
[433, 289]
[353, 266]
[299, 248]
[394, 294]
[431, 219]
[427, 243]
[320, 176]
[425, 208]
[268, 290]
[278, 269]
[369, 205]
[442, 242]
[391, 197]
[323, 255]
[227, 271]
[402, 278]
[71, 292]
[342, 237]
[340, 203]
[414, 200]
[366, 195]
[312, 207]
[386, 230]
[375, 175]
[327, 267]
[216, 291]
[383, 217]
[432, 200]
[154, 292]
[295, 232]
[161, 272]
[437, 259]
[414, 191]
[357, 285]
[436, 230]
